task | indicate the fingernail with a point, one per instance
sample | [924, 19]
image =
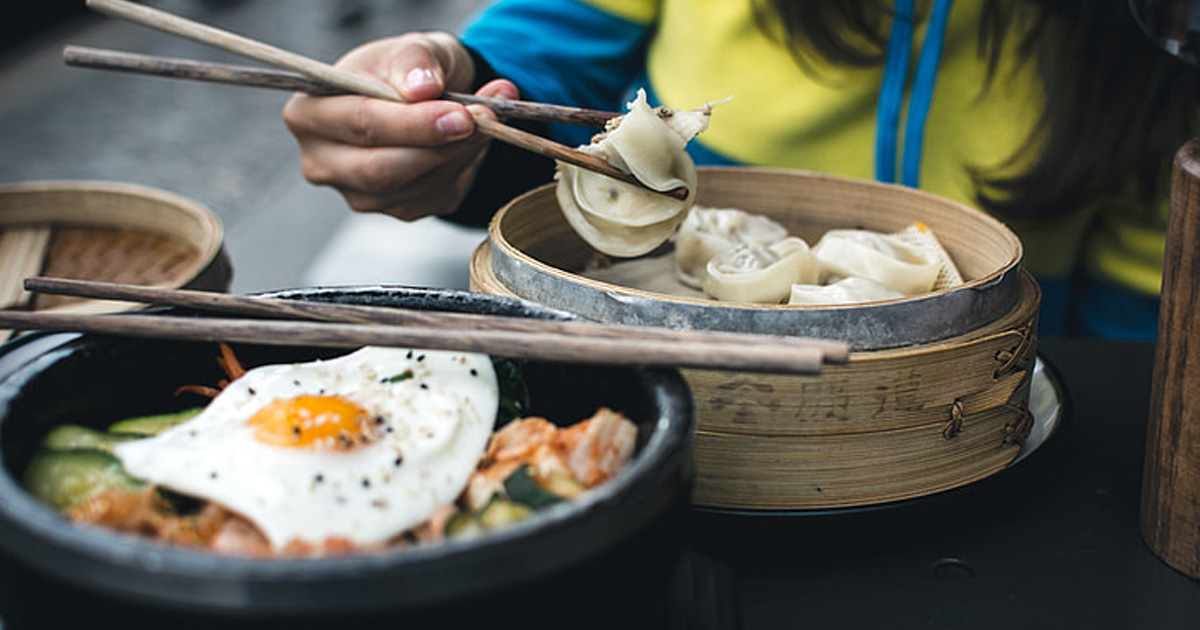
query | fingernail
[453, 124]
[419, 77]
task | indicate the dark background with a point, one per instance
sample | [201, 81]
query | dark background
[35, 17]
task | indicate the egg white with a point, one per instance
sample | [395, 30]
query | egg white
[433, 428]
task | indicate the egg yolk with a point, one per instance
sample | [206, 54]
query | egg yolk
[314, 422]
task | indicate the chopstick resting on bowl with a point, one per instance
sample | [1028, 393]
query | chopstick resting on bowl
[336, 78]
[313, 323]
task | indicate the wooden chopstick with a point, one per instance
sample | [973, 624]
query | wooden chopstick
[250, 76]
[350, 82]
[539, 346]
[834, 351]
[346, 325]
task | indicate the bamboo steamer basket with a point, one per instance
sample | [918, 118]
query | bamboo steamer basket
[935, 394]
[106, 231]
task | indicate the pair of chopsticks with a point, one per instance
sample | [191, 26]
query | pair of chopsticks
[312, 323]
[309, 75]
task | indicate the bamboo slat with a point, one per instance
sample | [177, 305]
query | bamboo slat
[22, 253]
[836, 471]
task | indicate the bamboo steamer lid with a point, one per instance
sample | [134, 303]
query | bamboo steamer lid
[106, 231]
[936, 391]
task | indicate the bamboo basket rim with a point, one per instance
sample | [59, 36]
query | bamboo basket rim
[498, 238]
[207, 223]
[808, 203]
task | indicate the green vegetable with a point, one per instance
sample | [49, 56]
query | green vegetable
[155, 424]
[64, 479]
[403, 376]
[463, 524]
[522, 488]
[69, 437]
[514, 394]
[500, 512]
[180, 504]
[562, 485]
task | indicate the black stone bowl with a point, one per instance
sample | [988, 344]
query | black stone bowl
[605, 558]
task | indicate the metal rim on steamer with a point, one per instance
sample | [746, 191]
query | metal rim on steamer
[872, 326]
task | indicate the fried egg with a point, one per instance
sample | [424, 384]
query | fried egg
[360, 448]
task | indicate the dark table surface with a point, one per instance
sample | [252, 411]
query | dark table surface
[1052, 542]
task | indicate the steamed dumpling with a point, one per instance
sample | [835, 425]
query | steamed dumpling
[884, 258]
[760, 273]
[620, 219]
[850, 290]
[707, 232]
[922, 237]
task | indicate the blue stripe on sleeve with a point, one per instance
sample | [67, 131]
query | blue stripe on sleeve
[561, 51]
[922, 93]
[891, 91]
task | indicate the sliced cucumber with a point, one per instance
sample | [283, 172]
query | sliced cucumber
[64, 479]
[522, 488]
[463, 524]
[155, 424]
[500, 512]
[70, 437]
[562, 485]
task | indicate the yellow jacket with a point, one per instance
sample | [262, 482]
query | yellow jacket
[820, 117]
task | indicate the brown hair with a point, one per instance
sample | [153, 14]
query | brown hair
[1117, 107]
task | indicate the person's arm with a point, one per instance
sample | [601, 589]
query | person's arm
[566, 52]
[409, 159]
[506, 171]
[420, 158]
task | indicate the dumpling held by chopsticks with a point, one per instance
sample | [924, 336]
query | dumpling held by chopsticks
[620, 219]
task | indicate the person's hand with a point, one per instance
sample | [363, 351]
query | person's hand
[411, 159]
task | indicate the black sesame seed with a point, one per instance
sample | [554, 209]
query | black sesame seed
[379, 420]
[212, 475]
[319, 478]
[424, 386]
[421, 358]
[399, 460]
[409, 355]
[474, 372]
[251, 391]
[366, 483]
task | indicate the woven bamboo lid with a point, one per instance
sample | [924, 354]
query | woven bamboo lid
[107, 231]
